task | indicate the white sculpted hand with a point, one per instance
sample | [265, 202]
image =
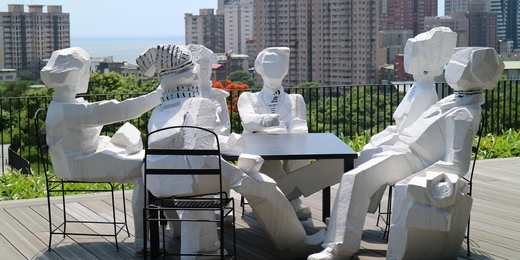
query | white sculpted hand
[270, 120]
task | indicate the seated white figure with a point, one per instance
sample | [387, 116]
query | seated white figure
[183, 105]
[424, 57]
[439, 141]
[429, 206]
[205, 57]
[77, 150]
[272, 111]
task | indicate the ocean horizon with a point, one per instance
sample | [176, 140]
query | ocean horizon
[122, 48]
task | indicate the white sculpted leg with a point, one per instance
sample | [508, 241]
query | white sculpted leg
[352, 200]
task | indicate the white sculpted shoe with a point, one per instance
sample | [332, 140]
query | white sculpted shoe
[330, 253]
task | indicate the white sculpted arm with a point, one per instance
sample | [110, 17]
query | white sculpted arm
[300, 115]
[461, 127]
[251, 120]
[111, 111]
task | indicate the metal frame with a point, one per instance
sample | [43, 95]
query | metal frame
[153, 211]
[55, 184]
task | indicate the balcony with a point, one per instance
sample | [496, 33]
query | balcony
[343, 110]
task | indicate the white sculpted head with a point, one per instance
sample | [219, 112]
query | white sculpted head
[273, 65]
[204, 57]
[426, 54]
[67, 70]
[474, 68]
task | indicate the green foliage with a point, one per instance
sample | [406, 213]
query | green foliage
[15, 89]
[242, 77]
[14, 185]
[26, 75]
[504, 146]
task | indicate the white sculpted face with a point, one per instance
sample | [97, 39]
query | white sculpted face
[273, 65]
[474, 68]
[427, 53]
[203, 56]
[67, 70]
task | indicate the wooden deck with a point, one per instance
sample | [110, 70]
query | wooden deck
[495, 228]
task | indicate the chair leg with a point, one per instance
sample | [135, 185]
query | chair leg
[467, 237]
[124, 209]
[50, 218]
[114, 215]
[388, 213]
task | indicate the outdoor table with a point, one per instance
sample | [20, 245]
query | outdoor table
[296, 147]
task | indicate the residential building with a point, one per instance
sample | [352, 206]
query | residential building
[508, 20]
[8, 75]
[398, 15]
[206, 29]
[456, 21]
[27, 38]
[239, 24]
[482, 26]
[332, 42]
[453, 6]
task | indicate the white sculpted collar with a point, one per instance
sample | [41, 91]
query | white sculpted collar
[180, 92]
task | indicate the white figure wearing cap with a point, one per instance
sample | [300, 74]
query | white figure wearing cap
[183, 104]
[425, 56]
[77, 150]
[439, 141]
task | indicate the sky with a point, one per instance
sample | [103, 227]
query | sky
[129, 17]
[123, 17]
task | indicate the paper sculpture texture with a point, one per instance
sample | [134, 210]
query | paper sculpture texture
[429, 206]
[424, 57]
[439, 141]
[272, 111]
[78, 151]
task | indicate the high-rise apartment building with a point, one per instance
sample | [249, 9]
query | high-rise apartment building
[27, 38]
[332, 42]
[457, 22]
[482, 26]
[206, 29]
[238, 21]
[399, 15]
[453, 6]
[508, 20]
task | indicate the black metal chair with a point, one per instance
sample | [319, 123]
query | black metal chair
[217, 201]
[469, 178]
[61, 186]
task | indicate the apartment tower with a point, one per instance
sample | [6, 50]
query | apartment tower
[238, 21]
[332, 42]
[399, 15]
[206, 29]
[508, 20]
[27, 38]
[482, 26]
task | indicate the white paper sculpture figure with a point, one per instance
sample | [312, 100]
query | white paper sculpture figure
[77, 150]
[439, 141]
[188, 108]
[424, 57]
[204, 57]
[272, 208]
[182, 104]
[272, 111]
[429, 206]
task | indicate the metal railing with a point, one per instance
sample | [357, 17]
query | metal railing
[342, 110]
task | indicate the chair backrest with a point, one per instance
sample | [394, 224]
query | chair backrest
[475, 153]
[41, 140]
[183, 151]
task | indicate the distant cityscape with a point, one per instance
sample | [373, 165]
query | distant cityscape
[332, 42]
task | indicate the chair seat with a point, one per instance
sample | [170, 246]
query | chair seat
[192, 203]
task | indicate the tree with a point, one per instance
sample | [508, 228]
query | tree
[241, 76]
[26, 75]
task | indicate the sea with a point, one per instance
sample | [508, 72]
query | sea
[122, 48]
